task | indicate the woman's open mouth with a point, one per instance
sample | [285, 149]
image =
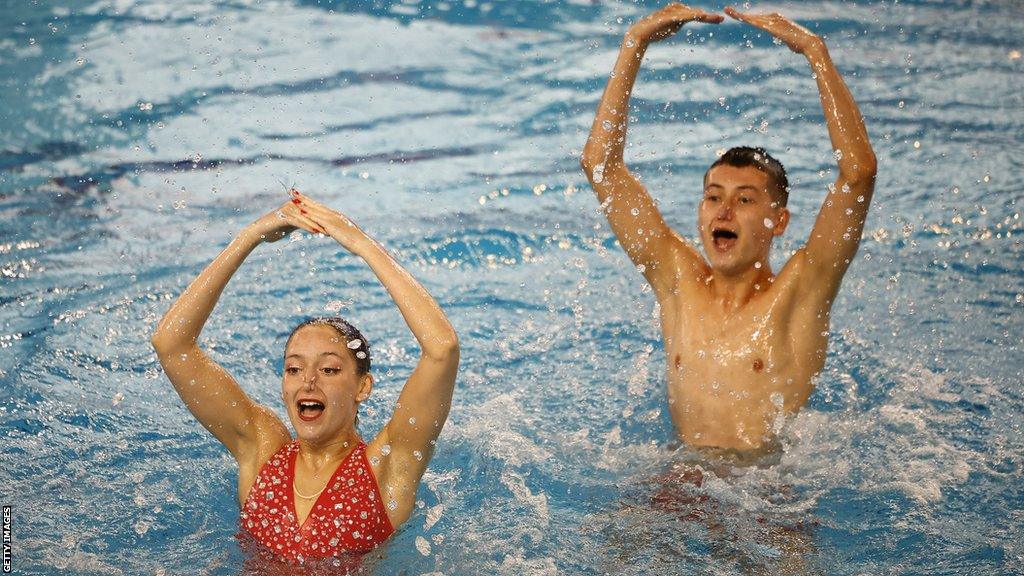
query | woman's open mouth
[723, 239]
[310, 410]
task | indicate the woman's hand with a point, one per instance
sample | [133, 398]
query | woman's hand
[327, 221]
[667, 21]
[280, 222]
[798, 38]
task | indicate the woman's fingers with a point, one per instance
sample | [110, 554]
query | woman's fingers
[299, 217]
[323, 214]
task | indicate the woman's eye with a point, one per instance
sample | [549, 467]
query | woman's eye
[711, 198]
[331, 371]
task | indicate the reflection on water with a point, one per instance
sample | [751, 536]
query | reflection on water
[138, 136]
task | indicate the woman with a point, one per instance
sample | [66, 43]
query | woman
[326, 492]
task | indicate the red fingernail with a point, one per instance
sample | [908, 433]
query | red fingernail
[301, 211]
[296, 201]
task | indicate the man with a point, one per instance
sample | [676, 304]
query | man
[743, 344]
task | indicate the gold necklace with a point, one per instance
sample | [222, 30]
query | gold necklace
[303, 496]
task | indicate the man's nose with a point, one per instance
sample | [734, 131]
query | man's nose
[724, 211]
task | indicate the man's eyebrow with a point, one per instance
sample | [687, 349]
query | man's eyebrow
[742, 187]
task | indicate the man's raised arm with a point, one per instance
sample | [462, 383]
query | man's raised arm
[633, 216]
[837, 231]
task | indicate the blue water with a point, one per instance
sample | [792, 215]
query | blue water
[136, 137]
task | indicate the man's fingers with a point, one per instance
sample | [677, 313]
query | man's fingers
[759, 20]
[710, 18]
[736, 14]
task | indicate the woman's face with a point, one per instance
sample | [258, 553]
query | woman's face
[322, 387]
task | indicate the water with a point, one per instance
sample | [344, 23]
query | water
[137, 137]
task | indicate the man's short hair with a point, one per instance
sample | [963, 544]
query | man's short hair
[743, 156]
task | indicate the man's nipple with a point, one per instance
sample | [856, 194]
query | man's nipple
[758, 365]
[678, 362]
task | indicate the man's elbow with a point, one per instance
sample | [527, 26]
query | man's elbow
[589, 161]
[862, 173]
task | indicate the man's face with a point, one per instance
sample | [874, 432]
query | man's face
[738, 219]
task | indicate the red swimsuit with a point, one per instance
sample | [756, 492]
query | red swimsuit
[348, 516]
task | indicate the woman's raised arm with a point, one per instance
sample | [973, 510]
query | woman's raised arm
[404, 446]
[207, 389]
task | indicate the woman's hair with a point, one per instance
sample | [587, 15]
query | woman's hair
[351, 337]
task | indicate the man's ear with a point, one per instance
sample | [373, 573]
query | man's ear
[365, 387]
[781, 221]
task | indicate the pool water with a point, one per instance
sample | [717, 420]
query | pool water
[136, 137]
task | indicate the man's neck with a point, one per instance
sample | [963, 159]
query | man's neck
[733, 291]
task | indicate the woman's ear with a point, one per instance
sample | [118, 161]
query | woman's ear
[365, 387]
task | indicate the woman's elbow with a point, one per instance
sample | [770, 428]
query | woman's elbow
[445, 348]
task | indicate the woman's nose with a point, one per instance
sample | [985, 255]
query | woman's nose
[309, 379]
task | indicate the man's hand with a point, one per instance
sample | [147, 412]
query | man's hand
[668, 21]
[798, 38]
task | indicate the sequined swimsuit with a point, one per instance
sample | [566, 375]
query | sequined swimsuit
[348, 516]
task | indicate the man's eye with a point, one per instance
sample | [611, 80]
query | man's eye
[292, 370]
[746, 200]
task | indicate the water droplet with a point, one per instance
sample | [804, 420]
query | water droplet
[635, 211]
[117, 398]
[364, 175]
[917, 144]
[145, 106]
[757, 265]
[423, 546]
[838, 154]
[361, 355]
[599, 173]
[417, 455]
[607, 124]
[768, 223]
[354, 344]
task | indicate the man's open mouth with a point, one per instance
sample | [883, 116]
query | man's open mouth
[723, 239]
[310, 410]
